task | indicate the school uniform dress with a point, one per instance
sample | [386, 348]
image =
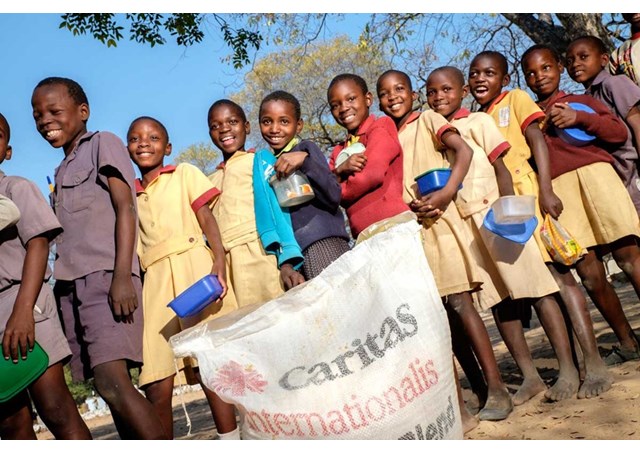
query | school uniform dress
[597, 208]
[173, 255]
[446, 240]
[36, 219]
[318, 224]
[254, 275]
[374, 194]
[626, 59]
[9, 213]
[620, 95]
[502, 263]
[513, 111]
[86, 251]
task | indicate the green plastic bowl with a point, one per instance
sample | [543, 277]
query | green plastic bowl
[15, 377]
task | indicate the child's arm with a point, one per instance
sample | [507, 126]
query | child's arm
[633, 120]
[122, 294]
[289, 162]
[325, 186]
[290, 277]
[210, 229]
[19, 334]
[549, 202]
[503, 175]
[9, 213]
[436, 203]
[603, 124]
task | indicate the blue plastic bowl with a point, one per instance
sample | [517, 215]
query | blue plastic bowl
[574, 135]
[518, 232]
[432, 180]
[195, 298]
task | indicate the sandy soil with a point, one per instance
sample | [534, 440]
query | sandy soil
[613, 415]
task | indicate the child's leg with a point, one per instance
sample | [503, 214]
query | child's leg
[160, 393]
[134, 416]
[15, 418]
[468, 421]
[499, 404]
[597, 379]
[224, 414]
[553, 323]
[464, 353]
[593, 276]
[56, 407]
[512, 333]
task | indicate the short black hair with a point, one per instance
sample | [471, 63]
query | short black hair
[503, 63]
[149, 118]
[75, 90]
[348, 76]
[537, 47]
[284, 96]
[596, 42]
[397, 72]
[455, 72]
[228, 103]
[4, 121]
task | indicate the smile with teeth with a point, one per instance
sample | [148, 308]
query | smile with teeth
[347, 118]
[51, 135]
[227, 139]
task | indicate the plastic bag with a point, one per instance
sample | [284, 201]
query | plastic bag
[560, 244]
[362, 351]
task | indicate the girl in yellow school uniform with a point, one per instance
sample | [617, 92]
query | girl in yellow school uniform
[174, 213]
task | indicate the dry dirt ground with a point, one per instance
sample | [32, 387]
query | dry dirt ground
[613, 415]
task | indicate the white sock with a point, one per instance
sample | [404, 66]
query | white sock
[231, 435]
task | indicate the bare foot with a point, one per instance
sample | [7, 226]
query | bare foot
[498, 406]
[469, 422]
[528, 389]
[595, 383]
[565, 387]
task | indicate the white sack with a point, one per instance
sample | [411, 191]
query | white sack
[362, 351]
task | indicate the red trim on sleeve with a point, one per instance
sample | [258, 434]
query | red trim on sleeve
[204, 199]
[530, 119]
[444, 129]
[498, 151]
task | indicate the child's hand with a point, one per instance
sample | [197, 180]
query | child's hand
[562, 116]
[290, 277]
[424, 210]
[220, 270]
[122, 298]
[289, 162]
[354, 164]
[19, 334]
[550, 203]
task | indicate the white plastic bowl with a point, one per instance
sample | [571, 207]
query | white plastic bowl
[293, 190]
[512, 209]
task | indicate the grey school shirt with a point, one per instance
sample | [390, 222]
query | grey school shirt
[620, 94]
[82, 203]
[36, 219]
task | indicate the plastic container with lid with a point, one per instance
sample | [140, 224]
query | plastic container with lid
[573, 135]
[514, 209]
[15, 377]
[195, 298]
[293, 190]
[432, 180]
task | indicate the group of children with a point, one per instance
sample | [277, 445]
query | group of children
[126, 247]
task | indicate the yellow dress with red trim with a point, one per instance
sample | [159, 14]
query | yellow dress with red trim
[513, 111]
[254, 275]
[502, 263]
[445, 240]
[173, 255]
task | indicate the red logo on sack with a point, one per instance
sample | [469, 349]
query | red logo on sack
[235, 379]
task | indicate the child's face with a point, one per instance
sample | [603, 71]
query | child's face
[395, 95]
[147, 145]
[349, 104]
[5, 148]
[585, 61]
[542, 73]
[486, 79]
[59, 120]
[445, 93]
[227, 129]
[278, 123]
[632, 18]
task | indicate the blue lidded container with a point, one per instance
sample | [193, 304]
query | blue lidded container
[432, 180]
[573, 135]
[195, 298]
